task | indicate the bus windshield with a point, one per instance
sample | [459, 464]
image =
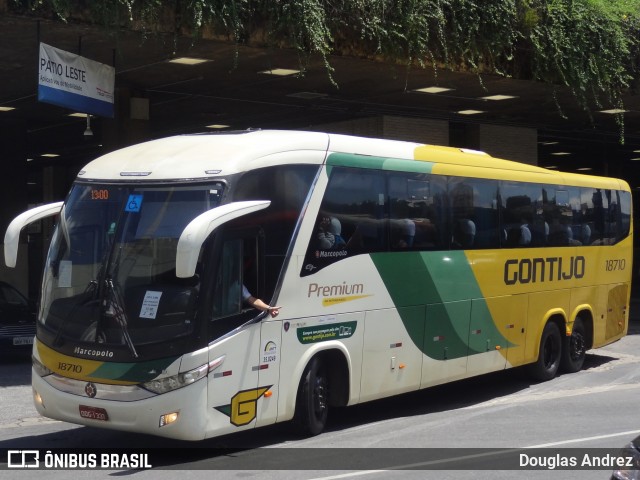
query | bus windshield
[110, 273]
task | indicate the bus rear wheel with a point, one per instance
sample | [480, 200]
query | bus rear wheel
[549, 355]
[574, 348]
[312, 403]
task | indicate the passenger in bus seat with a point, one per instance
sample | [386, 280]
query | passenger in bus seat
[408, 232]
[329, 234]
[464, 233]
[525, 233]
[586, 234]
[406, 229]
[539, 232]
[560, 234]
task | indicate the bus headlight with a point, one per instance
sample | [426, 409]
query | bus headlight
[168, 418]
[37, 399]
[39, 367]
[164, 385]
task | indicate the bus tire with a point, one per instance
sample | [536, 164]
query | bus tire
[549, 356]
[312, 404]
[574, 348]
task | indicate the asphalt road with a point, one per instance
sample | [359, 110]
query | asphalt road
[462, 427]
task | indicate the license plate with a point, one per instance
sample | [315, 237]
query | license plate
[94, 413]
[23, 340]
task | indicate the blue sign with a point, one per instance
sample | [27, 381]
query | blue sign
[134, 203]
[75, 82]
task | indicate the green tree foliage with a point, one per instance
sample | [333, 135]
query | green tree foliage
[590, 46]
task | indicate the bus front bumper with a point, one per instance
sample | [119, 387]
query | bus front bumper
[181, 411]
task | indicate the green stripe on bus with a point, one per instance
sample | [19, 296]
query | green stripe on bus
[378, 163]
[434, 293]
[133, 372]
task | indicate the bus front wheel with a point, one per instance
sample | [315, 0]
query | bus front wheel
[574, 348]
[549, 355]
[312, 404]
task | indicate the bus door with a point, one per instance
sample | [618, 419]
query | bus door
[269, 370]
[235, 339]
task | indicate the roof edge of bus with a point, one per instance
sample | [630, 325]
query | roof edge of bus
[403, 149]
[372, 146]
[209, 154]
[199, 155]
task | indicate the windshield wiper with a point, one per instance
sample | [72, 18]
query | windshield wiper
[88, 292]
[115, 309]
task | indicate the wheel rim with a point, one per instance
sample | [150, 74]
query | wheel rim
[320, 396]
[576, 346]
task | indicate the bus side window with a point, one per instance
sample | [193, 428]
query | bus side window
[463, 228]
[594, 207]
[353, 213]
[607, 213]
[241, 264]
[523, 223]
[474, 213]
[228, 286]
[568, 225]
[624, 224]
[412, 213]
[612, 217]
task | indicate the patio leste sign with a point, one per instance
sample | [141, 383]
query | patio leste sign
[75, 82]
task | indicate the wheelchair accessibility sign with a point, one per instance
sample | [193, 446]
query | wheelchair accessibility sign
[133, 203]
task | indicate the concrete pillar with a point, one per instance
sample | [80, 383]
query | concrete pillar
[421, 130]
[409, 129]
[362, 127]
[511, 143]
[130, 124]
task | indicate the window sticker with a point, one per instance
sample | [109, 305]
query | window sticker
[150, 304]
[134, 203]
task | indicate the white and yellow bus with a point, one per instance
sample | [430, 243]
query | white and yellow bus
[397, 266]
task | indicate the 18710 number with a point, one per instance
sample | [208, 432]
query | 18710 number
[615, 264]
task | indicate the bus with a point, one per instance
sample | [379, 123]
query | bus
[396, 266]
